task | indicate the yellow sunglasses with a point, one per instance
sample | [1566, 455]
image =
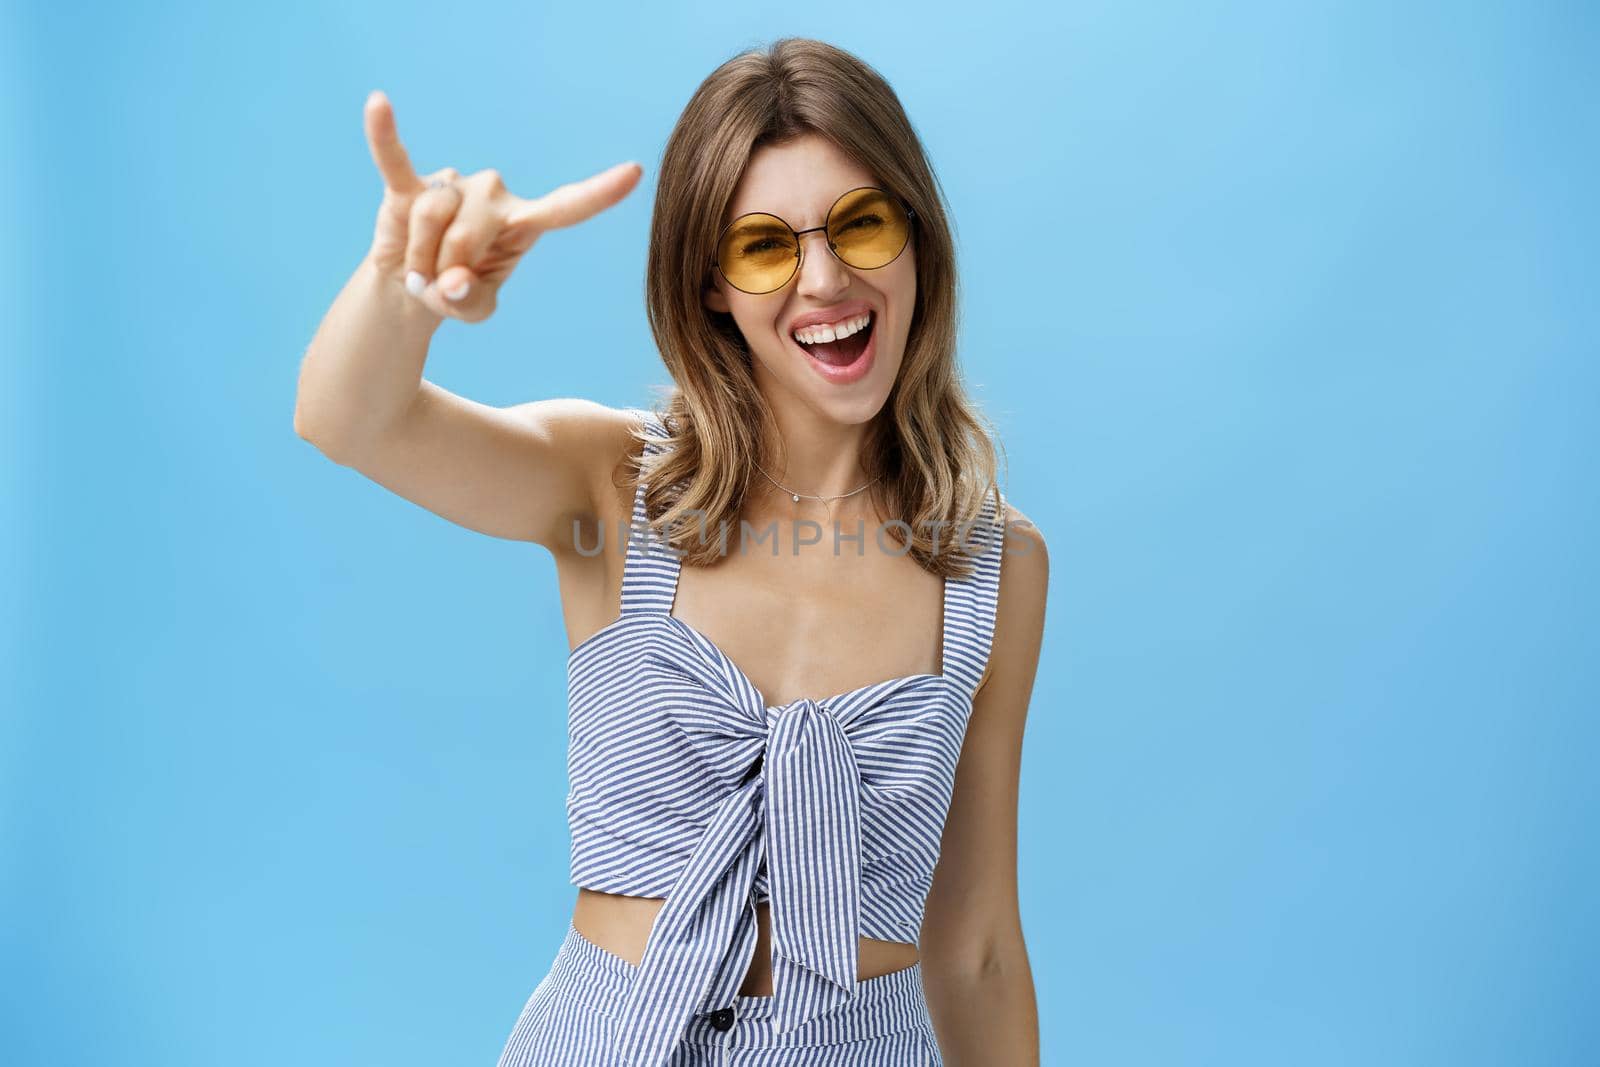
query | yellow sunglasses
[867, 228]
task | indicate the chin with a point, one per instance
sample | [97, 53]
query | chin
[852, 411]
[853, 404]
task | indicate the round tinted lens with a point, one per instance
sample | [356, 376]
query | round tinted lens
[868, 228]
[757, 253]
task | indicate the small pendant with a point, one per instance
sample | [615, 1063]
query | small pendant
[797, 498]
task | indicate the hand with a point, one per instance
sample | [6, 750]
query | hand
[471, 233]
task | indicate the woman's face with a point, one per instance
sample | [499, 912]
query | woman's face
[799, 182]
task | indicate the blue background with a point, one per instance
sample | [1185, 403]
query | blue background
[1286, 313]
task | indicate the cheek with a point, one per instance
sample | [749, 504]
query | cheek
[903, 294]
[755, 323]
[762, 332]
[902, 278]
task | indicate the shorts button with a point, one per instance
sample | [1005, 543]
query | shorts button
[722, 1018]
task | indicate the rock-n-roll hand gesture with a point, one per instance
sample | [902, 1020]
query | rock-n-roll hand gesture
[453, 241]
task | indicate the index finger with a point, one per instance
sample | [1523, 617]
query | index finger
[383, 141]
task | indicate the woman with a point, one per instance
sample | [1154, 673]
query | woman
[766, 874]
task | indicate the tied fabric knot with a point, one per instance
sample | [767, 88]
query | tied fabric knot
[813, 822]
[802, 815]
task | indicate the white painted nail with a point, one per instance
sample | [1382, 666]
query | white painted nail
[457, 292]
[416, 284]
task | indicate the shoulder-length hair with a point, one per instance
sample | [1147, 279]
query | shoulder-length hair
[930, 448]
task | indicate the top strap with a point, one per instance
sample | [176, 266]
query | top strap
[650, 571]
[971, 602]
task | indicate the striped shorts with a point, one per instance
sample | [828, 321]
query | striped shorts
[569, 1020]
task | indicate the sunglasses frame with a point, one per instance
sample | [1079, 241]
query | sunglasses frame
[800, 246]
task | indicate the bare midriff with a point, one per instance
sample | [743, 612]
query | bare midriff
[621, 926]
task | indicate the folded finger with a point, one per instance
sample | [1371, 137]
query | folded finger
[472, 231]
[431, 212]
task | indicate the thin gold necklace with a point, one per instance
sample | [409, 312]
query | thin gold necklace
[811, 496]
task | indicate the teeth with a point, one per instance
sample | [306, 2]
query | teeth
[812, 335]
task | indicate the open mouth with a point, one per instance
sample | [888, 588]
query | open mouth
[843, 352]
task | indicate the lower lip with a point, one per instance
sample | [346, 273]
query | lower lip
[838, 375]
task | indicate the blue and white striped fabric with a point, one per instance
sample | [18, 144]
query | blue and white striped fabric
[685, 784]
[574, 1016]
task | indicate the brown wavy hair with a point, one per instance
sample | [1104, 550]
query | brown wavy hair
[933, 452]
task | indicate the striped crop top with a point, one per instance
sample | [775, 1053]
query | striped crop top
[684, 784]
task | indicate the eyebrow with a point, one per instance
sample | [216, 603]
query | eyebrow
[769, 211]
[755, 224]
[821, 221]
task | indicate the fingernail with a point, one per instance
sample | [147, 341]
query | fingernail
[416, 284]
[457, 291]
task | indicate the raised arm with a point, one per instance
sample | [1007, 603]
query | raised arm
[442, 247]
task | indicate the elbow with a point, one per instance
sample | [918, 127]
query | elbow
[977, 953]
[305, 427]
[302, 425]
[309, 429]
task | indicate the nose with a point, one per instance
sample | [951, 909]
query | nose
[821, 273]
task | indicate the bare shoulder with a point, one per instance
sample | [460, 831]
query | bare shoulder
[1026, 562]
[1020, 608]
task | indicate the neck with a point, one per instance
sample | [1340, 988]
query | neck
[813, 455]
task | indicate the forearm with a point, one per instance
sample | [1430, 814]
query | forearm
[364, 366]
[985, 1016]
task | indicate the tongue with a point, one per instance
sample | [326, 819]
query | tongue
[842, 353]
